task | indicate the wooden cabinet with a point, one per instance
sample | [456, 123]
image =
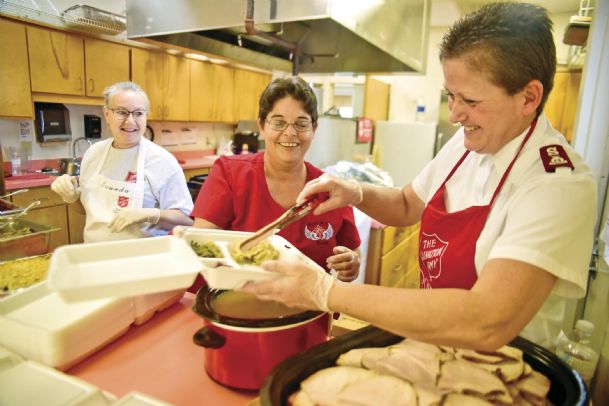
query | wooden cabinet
[189, 173]
[166, 80]
[393, 258]
[68, 64]
[211, 92]
[76, 224]
[52, 211]
[106, 63]
[56, 62]
[376, 99]
[248, 88]
[15, 97]
[561, 106]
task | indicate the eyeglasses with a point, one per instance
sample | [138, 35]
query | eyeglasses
[299, 125]
[123, 114]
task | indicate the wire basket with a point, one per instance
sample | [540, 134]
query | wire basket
[79, 17]
[94, 19]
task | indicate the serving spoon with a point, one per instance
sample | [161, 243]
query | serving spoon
[291, 215]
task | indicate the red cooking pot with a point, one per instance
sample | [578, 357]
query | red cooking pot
[241, 347]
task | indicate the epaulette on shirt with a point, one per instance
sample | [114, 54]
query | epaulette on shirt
[554, 156]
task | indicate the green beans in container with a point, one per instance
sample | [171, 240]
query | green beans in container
[255, 256]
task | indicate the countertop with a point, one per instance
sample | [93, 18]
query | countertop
[186, 159]
[159, 359]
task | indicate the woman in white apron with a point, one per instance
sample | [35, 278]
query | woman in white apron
[507, 208]
[128, 186]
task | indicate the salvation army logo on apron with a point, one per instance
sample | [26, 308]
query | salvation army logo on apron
[319, 231]
[123, 201]
[431, 250]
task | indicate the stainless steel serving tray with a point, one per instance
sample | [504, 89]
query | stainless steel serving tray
[35, 243]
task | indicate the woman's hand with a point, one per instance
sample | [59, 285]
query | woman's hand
[300, 286]
[342, 192]
[132, 215]
[345, 263]
[66, 187]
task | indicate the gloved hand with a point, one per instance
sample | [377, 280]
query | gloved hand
[132, 215]
[301, 286]
[66, 187]
[179, 231]
[342, 192]
[345, 263]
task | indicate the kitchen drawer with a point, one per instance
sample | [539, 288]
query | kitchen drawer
[396, 263]
[46, 196]
[392, 236]
[189, 173]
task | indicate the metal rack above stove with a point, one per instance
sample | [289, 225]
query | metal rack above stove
[79, 17]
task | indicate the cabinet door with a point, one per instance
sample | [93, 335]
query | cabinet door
[105, 63]
[376, 99]
[248, 87]
[561, 106]
[15, 97]
[147, 71]
[177, 88]
[56, 62]
[76, 224]
[211, 92]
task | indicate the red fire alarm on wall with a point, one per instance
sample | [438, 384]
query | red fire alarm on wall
[365, 130]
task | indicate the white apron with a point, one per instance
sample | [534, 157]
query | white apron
[103, 198]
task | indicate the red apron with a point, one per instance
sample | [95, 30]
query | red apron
[447, 241]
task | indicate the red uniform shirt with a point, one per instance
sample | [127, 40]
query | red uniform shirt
[235, 197]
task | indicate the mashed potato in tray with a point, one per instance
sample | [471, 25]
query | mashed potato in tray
[23, 272]
[256, 255]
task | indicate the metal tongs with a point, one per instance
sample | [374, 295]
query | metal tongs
[291, 215]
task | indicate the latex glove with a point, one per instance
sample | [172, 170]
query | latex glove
[179, 231]
[66, 187]
[301, 286]
[345, 263]
[341, 192]
[132, 215]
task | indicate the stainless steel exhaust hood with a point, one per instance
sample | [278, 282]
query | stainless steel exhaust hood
[302, 36]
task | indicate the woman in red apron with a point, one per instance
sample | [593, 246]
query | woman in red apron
[501, 243]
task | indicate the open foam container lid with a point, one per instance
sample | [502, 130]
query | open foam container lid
[122, 268]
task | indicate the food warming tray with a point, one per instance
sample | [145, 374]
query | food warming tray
[225, 273]
[567, 387]
[39, 325]
[122, 268]
[35, 243]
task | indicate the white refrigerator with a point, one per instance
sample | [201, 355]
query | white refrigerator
[404, 148]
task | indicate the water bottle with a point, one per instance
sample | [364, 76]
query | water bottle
[420, 112]
[15, 164]
[577, 351]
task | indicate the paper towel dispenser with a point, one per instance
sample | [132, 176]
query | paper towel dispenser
[52, 122]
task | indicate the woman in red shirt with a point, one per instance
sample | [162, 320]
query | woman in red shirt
[246, 192]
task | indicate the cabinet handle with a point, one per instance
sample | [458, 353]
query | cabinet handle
[80, 84]
[92, 85]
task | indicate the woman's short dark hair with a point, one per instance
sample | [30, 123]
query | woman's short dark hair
[512, 42]
[294, 87]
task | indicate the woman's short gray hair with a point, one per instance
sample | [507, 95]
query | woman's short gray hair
[123, 86]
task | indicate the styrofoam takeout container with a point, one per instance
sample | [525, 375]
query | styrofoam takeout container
[30, 383]
[122, 268]
[225, 272]
[38, 324]
[135, 398]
